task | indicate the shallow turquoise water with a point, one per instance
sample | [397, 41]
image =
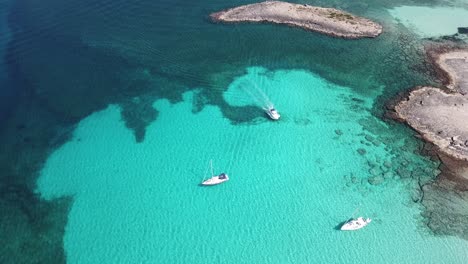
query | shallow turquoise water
[289, 187]
[428, 21]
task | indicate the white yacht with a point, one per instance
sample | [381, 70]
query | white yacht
[215, 179]
[272, 113]
[355, 224]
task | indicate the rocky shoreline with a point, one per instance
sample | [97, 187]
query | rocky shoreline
[329, 21]
[441, 116]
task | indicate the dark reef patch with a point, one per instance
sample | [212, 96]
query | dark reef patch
[463, 30]
[32, 229]
[32, 232]
[446, 207]
[137, 114]
[406, 65]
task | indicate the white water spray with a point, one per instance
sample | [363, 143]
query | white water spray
[259, 97]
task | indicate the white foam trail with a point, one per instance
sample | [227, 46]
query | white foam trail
[256, 94]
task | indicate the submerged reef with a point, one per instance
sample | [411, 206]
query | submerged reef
[328, 21]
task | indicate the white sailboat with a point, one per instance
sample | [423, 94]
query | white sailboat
[355, 223]
[215, 179]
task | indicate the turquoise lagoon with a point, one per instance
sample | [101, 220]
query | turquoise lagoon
[292, 182]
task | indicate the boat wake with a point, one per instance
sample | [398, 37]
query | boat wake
[257, 94]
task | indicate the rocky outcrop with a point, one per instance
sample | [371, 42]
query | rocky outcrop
[441, 117]
[463, 30]
[455, 63]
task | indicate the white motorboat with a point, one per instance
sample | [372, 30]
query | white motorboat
[272, 113]
[355, 224]
[215, 179]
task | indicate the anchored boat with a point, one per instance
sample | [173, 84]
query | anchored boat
[355, 224]
[215, 179]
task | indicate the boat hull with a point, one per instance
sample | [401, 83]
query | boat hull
[215, 180]
[355, 224]
[274, 116]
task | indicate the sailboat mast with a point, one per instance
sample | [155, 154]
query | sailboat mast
[211, 165]
[355, 211]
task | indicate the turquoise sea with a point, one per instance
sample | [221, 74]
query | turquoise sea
[115, 109]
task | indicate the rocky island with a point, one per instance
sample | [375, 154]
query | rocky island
[328, 21]
[441, 117]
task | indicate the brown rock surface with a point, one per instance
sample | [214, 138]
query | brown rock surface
[328, 21]
[455, 63]
[441, 117]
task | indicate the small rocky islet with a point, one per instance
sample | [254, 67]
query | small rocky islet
[329, 21]
[441, 115]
